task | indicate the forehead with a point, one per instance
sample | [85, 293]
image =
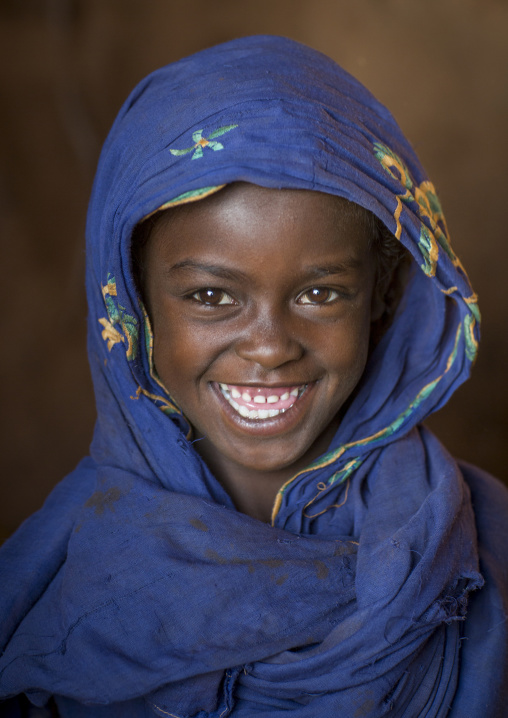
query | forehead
[272, 221]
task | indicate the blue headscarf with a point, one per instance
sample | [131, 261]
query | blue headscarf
[138, 589]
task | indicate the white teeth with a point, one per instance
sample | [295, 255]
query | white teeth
[231, 393]
[263, 413]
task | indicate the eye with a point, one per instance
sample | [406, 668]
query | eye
[212, 297]
[318, 295]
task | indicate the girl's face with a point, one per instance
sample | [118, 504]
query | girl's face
[261, 302]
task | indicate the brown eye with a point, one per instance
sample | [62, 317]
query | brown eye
[212, 297]
[318, 295]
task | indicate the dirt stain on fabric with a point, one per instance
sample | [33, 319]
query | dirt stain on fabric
[365, 709]
[199, 525]
[346, 549]
[102, 500]
[272, 562]
[214, 556]
[322, 570]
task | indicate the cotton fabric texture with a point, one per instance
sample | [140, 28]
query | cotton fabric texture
[381, 586]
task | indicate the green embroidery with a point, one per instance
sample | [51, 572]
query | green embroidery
[475, 309]
[424, 199]
[390, 160]
[345, 473]
[201, 142]
[471, 342]
[117, 315]
[427, 250]
[191, 196]
[433, 233]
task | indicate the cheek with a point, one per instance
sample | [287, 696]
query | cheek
[172, 347]
[346, 351]
[349, 338]
[174, 361]
[182, 353]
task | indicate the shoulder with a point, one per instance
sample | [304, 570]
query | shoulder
[489, 498]
[483, 680]
[32, 556]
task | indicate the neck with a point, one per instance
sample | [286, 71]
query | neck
[253, 491]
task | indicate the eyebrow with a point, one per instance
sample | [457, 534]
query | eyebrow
[347, 265]
[214, 269]
[352, 263]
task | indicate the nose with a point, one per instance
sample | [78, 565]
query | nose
[270, 340]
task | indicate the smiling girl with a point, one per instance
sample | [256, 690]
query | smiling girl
[263, 525]
[261, 303]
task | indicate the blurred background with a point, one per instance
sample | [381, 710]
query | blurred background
[441, 66]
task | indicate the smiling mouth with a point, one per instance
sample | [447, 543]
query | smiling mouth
[259, 403]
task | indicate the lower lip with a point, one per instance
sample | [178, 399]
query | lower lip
[270, 426]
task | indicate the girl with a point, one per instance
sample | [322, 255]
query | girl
[263, 525]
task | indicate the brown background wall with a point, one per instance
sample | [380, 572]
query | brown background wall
[439, 65]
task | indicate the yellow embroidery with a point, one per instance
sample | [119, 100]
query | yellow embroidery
[110, 288]
[110, 335]
[166, 406]
[433, 231]
[396, 215]
[450, 291]
[118, 316]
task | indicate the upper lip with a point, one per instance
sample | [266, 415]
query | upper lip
[265, 385]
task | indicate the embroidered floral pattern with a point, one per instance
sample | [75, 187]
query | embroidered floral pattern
[128, 325]
[433, 233]
[201, 142]
[110, 335]
[423, 199]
